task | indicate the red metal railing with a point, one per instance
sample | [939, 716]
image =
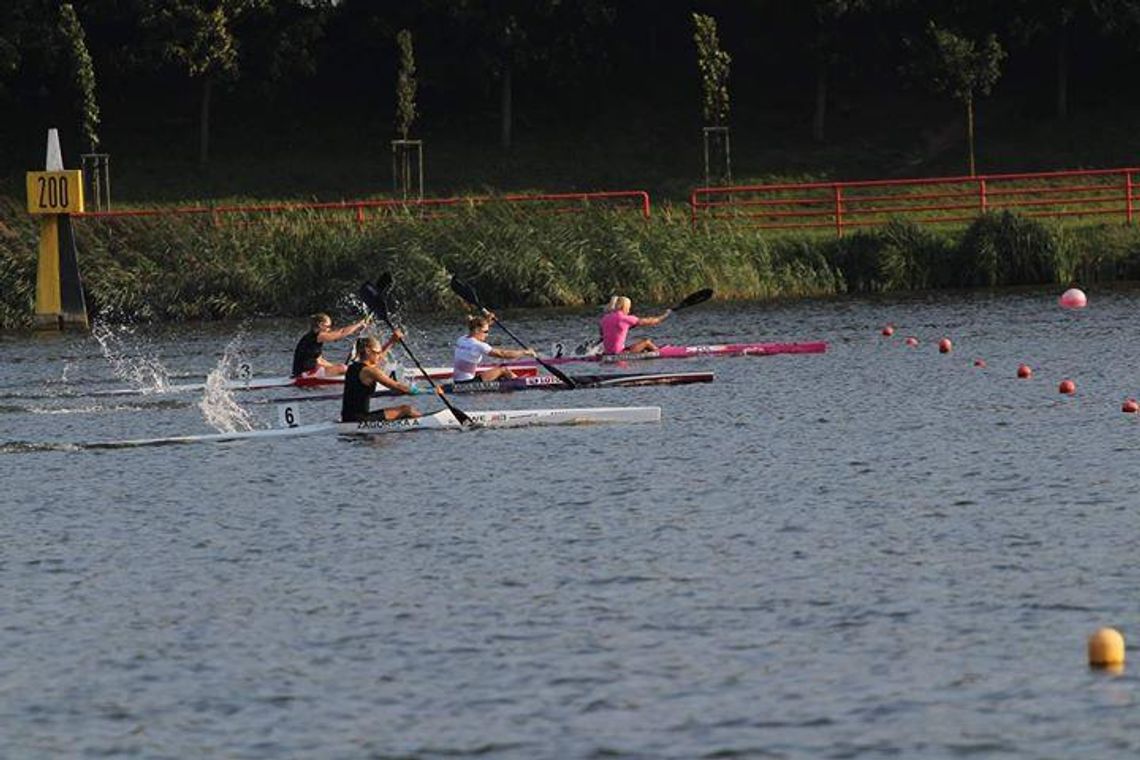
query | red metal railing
[840, 205]
[363, 210]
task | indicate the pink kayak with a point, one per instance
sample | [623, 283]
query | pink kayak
[669, 352]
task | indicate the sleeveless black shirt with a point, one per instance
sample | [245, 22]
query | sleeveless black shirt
[306, 353]
[356, 394]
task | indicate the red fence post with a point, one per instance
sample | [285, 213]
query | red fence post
[1128, 195]
[982, 195]
[838, 210]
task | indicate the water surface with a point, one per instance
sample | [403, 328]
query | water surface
[879, 551]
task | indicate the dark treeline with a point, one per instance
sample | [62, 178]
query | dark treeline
[210, 81]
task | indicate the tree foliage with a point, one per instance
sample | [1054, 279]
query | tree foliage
[713, 65]
[82, 74]
[405, 84]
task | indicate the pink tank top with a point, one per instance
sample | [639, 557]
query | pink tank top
[615, 328]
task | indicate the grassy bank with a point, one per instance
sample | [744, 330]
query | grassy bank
[167, 268]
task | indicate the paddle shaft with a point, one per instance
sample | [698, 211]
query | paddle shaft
[459, 414]
[467, 293]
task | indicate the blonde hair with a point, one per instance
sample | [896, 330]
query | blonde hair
[316, 320]
[477, 321]
[619, 303]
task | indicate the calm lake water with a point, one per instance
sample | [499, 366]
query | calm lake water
[881, 551]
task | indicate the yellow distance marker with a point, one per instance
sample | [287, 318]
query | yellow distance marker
[58, 192]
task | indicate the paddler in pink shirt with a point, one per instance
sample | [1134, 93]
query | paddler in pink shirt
[615, 326]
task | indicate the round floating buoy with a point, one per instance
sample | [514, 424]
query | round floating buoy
[1073, 298]
[1024, 372]
[1067, 386]
[889, 330]
[944, 346]
[980, 363]
[912, 341]
[1130, 406]
[1106, 649]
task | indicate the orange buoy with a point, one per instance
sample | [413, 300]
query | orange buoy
[1073, 298]
[1024, 372]
[1067, 386]
[1130, 406]
[980, 363]
[944, 346]
[1106, 649]
[889, 330]
[912, 341]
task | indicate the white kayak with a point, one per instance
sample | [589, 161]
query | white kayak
[249, 383]
[441, 420]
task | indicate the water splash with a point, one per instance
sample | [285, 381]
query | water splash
[218, 406]
[140, 367]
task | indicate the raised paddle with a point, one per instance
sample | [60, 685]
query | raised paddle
[468, 294]
[373, 297]
[693, 299]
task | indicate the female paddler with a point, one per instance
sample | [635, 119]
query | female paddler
[364, 375]
[471, 349]
[615, 326]
[307, 359]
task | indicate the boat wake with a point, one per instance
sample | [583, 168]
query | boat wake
[218, 406]
[139, 367]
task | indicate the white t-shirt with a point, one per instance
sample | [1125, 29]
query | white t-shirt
[469, 354]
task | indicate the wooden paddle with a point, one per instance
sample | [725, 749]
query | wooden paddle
[374, 298]
[468, 294]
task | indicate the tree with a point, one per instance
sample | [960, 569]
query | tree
[405, 84]
[713, 65]
[195, 35]
[527, 35]
[82, 73]
[828, 16]
[964, 70]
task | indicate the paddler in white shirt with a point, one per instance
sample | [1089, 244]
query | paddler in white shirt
[472, 348]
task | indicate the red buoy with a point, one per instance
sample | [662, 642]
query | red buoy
[1067, 386]
[1073, 298]
[912, 341]
[1130, 406]
[1024, 372]
[889, 330]
[980, 363]
[944, 346]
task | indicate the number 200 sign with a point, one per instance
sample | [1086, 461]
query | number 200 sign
[58, 192]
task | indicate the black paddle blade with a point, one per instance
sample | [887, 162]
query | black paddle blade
[465, 291]
[694, 298]
[384, 282]
[373, 298]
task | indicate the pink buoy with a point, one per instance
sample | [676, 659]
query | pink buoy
[1067, 387]
[1073, 298]
[1024, 372]
[944, 346]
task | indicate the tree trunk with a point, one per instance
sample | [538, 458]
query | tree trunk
[1063, 71]
[970, 131]
[204, 122]
[505, 112]
[820, 98]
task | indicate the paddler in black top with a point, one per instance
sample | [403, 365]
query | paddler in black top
[364, 375]
[307, 359]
